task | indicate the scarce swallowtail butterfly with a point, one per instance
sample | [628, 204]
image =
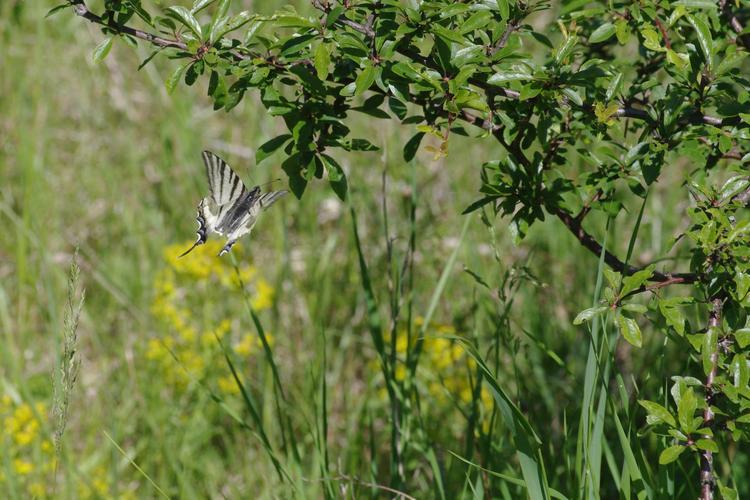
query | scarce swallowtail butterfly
[230, 210]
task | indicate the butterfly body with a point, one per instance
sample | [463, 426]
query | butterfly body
[231, 210]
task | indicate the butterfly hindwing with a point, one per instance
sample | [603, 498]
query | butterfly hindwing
[268, 199]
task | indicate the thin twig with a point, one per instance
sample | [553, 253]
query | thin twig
[503, 41]
[588, 241]
[80, 9]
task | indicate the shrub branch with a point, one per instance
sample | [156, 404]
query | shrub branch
[707, 461]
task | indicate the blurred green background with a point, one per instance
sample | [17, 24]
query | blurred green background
[98, 156]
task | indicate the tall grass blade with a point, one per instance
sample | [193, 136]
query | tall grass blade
[254, 413]
[528, 443]
[136, 466]
[442, 282]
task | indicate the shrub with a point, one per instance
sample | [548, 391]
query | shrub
[598, 106]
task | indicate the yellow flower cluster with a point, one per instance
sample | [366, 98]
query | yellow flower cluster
[30, 454]
[446, 374]
[190, 351]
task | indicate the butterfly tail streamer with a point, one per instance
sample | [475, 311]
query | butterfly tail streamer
[201, 232]
[268, 199]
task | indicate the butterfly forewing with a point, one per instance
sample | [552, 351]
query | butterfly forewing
[224, 184]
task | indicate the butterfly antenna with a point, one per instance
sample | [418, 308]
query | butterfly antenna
[269, 183]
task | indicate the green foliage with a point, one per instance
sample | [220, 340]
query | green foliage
[648, 97]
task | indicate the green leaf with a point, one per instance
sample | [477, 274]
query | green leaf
[708, 445]
[268, 148]
[322, 61]
[602, 33]
[336, 177]
[658, 413]
[447, 34]
[293, 167]
[184, 16]
[635, 280]
[516, 73]
[233, 23]
[589, 314]
[651, 39]
[365, 79]
[629, 330]
[101, 50]
[615, 87]
[171, 82]
[672, 314]
[55, 10]
[704, 37]
[671, 454]
[678, 59]
[479, 204]
[411, 147]
[686, 410]
[573, 96]
[635, 308]
[199, 5]
[742, 336]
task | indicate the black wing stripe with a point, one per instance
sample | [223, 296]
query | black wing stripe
[235, 181]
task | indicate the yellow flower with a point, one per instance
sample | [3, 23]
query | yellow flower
[228, 385]
[400, 373]
[264, 293]
[247, 345]
[22, 467]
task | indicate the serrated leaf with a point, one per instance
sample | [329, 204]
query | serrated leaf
[589, 314]
[629, 330]
[602, 33]
[101, 50]
[322, 61]
[659, 412]
[184, 16]
[671, 454]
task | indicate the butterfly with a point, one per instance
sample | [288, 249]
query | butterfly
[230, 210]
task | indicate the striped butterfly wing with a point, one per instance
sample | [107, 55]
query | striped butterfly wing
[225, 185]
